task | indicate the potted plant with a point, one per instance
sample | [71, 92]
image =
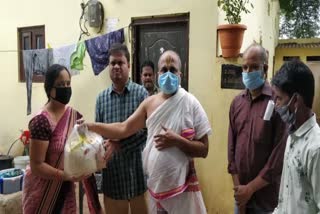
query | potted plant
[231, 35]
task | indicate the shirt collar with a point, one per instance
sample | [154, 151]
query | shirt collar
[266, 90]
[309, 124]
[127, 87]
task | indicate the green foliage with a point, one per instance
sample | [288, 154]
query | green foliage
[299, 18]
[234, 8]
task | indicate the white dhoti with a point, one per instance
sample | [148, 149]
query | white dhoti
[171, 178]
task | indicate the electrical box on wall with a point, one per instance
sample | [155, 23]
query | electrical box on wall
[95, 13]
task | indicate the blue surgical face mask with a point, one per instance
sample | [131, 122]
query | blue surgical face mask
[253, 80]
[168, 82]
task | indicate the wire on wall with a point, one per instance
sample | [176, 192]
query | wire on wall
[85, 7]
[84, 29]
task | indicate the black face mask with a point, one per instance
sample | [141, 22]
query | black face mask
[63, 95]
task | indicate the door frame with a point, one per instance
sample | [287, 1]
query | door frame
[310, 62]
[136, 22]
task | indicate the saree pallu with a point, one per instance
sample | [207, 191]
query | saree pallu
[44, 195]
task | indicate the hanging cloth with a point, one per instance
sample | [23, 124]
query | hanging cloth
[62, 56]
[35, 62]
[76, 61]
[98, 49]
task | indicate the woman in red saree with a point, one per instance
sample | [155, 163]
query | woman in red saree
[47, 189]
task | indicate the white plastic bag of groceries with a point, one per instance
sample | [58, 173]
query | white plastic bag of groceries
[83, 153]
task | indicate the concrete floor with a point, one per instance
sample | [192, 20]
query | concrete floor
[85, 204]
[12, 203]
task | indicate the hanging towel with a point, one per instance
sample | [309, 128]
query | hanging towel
[35, 62]
[62, 56]
[98, 49]
[77, 57]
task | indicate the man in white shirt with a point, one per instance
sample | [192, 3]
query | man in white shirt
[300, 183]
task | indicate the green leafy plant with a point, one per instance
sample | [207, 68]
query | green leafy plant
[299, 18]
[234, 8]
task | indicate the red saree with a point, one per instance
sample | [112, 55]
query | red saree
[47, 196]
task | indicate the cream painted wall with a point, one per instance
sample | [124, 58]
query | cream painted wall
[204, 79]
[262, 27]
[204, 83]
[302, 52]
[61, 20]
[61, 28]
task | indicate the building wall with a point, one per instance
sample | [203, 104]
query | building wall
[61, 28]
[262, 27]
[301, 52]
[204, 70]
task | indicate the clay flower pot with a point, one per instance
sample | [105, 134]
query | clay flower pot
[231, 37]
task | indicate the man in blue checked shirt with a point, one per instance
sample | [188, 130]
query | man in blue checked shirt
[124, 182]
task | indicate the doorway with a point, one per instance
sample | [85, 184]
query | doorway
[151, 36]
[315, 68]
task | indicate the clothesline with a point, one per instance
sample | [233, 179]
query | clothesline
[14, 51]
[70, 56]
[3, 51]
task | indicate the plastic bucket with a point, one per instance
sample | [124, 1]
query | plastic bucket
[21, 162]
[5, 162]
